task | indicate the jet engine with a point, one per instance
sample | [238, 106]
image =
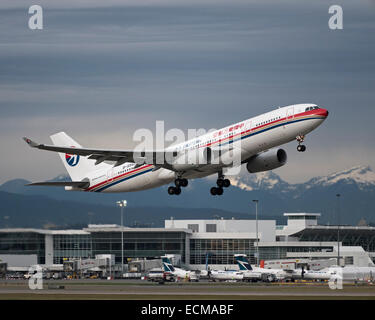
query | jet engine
[268, 160]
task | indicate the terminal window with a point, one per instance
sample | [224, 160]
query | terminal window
[193, 227]
[210, 227]
[302, 218]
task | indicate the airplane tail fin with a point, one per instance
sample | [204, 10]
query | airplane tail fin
[243, 262]
[167, 264]
[77, 166]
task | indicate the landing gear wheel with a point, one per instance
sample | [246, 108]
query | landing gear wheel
[184, 182]
[220, 182]
[300, 138]
[171, 190]
[226, 183]
[301, 148]
[181, 182]
[216, 191]
[177, 191]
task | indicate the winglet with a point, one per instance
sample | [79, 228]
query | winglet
[30, 142]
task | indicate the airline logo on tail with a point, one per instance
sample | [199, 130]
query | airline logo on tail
[243, 262]
[72, 159]
[167, 265]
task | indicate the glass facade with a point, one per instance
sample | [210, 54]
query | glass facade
[280, 252]
[23, 243]
[139, 244]
[348, 237]
[69, 246]
[302, 218]
[220, 251]
[149, 244]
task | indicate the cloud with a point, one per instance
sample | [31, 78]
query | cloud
[100, 70]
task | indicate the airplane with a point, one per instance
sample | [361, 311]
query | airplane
[224, 275]
[352, 273]
[269, 275]
[253, 141]
[347, 274]
[320, 275]
[177, 273]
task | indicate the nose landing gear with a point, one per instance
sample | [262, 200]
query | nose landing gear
[301, 147]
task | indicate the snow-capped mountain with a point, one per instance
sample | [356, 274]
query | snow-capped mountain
[362, 176]
[276, 196]
[260, 181]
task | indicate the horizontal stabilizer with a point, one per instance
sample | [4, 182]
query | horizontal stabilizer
[77, 184]
[30, 142]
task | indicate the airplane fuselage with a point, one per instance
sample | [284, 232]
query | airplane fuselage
[247, 138]
[257, 134]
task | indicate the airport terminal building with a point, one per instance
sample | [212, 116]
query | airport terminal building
[196, 241]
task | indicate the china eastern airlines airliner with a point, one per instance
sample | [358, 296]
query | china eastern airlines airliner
[254, 142]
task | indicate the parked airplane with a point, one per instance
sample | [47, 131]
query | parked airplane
[323, 274]
[105, 170]
[266, 274]
[178, 273]
[353, 274]
[225, 275]
[347, 274]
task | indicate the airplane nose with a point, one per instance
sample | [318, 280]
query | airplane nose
[322, 112]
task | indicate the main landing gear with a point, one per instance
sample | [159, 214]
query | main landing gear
[179, 182]
[221, 183]
[301, 147]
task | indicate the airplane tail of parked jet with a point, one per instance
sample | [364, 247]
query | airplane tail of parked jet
[167, 264]
[77, 166]
[243, 262]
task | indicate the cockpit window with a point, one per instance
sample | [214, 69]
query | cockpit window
[311, 108]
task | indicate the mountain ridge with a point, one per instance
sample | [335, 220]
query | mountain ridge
[276, 196]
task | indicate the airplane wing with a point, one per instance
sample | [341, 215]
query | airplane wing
[77, 184]
[117, 156]
[288, 270]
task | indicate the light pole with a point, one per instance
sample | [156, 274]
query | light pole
[338, 228]
[122, 204]
[256, 230]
